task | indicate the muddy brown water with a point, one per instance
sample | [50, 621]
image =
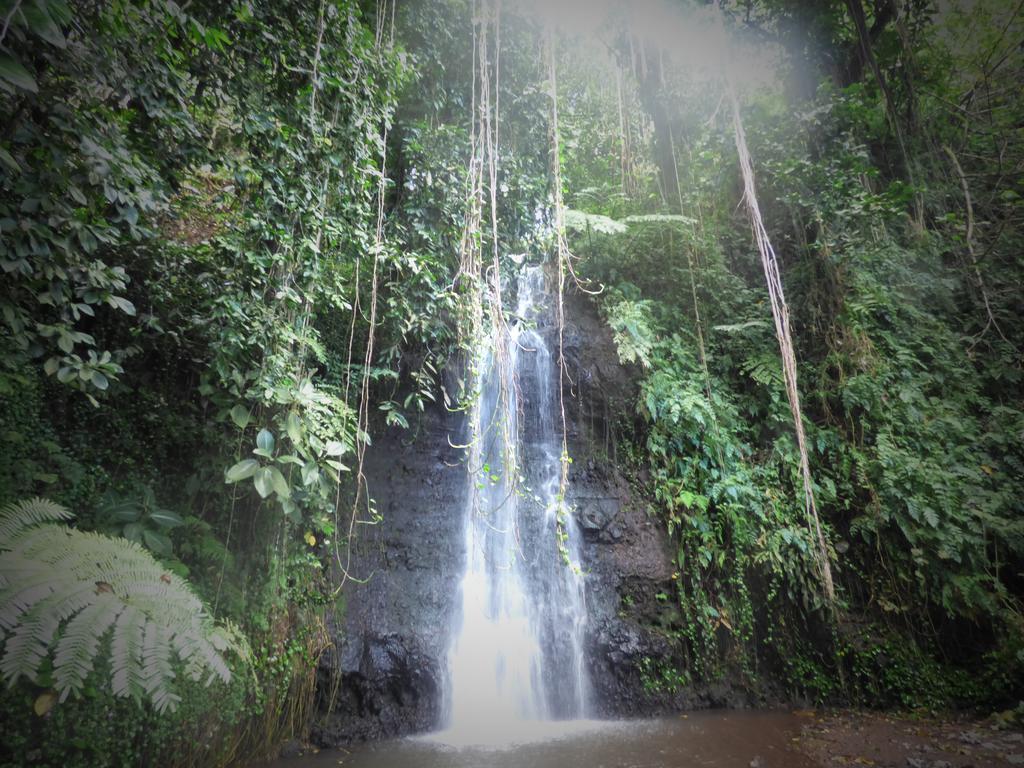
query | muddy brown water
[695, 740]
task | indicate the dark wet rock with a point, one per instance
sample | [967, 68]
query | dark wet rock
[624, 659]
[390, 690]
[384, 676]
[595, 515]
[291, 749]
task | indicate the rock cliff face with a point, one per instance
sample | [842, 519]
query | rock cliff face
[391, 635]
[626, 551]
[386, 675]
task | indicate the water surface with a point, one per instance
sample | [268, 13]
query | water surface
[696, 740]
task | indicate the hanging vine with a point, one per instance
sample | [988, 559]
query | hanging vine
[385, 20]
[780, 314]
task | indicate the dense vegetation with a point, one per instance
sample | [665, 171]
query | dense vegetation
[895, 215]
[238, 239]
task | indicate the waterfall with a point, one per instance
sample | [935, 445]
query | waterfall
[516, 654]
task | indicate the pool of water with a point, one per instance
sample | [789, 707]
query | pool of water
[698, 739]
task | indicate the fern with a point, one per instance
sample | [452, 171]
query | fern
[765, 368]
[16, 517]
[661, 218]
[73, 597]
[578, 221]
[126, 654]
[634, 337]
[740, 327]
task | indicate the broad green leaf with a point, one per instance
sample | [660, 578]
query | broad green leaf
[130, 214]
[240, 415]
[8, 161]
[293, 425]
[265, 440]
[41, 24]
[133, 532]
[156, 542]
[240, 471]
[165, 518]
[124, 305]
[291, 510]
[310, 474]
[281, 486]
[264, 482]
[122, 511]
[59, 11]
[15, 74]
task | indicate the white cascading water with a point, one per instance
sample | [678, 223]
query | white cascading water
[516, 655]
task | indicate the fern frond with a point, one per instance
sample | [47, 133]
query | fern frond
[660, 218]
[156, 667]
[19, 515]
[30, 591]
[126, 654]
[80, 642]
[62, 605]
[24, 651]
[63, 591]
[579, 221]
[206, 658]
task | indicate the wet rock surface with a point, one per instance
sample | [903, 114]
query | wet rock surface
[635, 654]
[385, 676]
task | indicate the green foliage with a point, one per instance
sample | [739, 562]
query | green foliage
[578, 221]
[67, 597]
[188, 196]
[137, 518]
[909, 352]
[630, 321]
[302, 468]
[192, 279]
[658, 676]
